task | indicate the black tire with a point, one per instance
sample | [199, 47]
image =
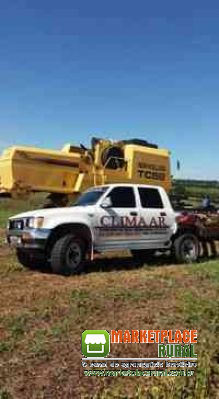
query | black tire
[55, 201]
[186, 248]
[67, 255]
[143, 254]
[31, 259]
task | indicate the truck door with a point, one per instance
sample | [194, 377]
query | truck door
[156, 221]
[115, 225]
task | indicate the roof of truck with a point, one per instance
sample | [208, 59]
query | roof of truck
[125, 185]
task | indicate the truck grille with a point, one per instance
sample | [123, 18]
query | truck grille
[16, 224]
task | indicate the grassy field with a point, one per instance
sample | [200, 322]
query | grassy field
[42, 317]
[194, 191]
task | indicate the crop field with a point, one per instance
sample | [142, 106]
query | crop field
[42, 316]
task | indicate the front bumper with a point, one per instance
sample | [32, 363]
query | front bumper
[28, 238]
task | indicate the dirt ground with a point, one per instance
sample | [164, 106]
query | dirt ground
[43, 315]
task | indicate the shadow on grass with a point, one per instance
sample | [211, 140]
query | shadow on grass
[115, 263]
[125, 263]
[121, 263]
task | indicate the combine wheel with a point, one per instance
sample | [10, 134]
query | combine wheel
[56, 201]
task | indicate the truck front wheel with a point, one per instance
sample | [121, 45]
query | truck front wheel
[67, 255]
[186, 248]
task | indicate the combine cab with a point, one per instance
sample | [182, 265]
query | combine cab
[66, 173]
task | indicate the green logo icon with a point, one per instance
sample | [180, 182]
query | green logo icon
[95, 343]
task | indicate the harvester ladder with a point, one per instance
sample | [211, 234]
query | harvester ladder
[79, 182]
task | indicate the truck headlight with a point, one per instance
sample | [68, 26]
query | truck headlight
[35, 222]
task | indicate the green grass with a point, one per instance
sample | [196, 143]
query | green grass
[49, 328]
[5, 394]
[43, 316]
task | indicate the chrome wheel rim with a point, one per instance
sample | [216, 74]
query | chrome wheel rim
[189, 250]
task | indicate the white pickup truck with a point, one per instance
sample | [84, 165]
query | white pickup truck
[114, 217]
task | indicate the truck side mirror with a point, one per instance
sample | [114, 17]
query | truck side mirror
[107, 203]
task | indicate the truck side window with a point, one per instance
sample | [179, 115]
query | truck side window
[150, 198]
[122, 197]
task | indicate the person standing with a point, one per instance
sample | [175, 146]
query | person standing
[206, 203]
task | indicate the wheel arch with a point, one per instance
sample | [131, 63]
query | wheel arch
[189, 229]
[79, 229]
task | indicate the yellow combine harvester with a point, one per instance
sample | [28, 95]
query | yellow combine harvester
[64, 174]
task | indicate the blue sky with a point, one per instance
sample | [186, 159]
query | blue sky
[117, 69]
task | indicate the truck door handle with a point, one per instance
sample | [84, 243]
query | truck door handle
[163, 214]
[134, 213]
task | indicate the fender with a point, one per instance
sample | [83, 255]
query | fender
[81, 228]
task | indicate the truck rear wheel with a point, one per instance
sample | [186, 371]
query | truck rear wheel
[67, 255]
[186, 248]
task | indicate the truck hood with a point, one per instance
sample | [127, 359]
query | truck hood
[73, 210]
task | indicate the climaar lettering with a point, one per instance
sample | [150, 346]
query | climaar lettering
[126, 221]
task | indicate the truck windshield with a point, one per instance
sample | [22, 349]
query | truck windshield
[90, 197]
